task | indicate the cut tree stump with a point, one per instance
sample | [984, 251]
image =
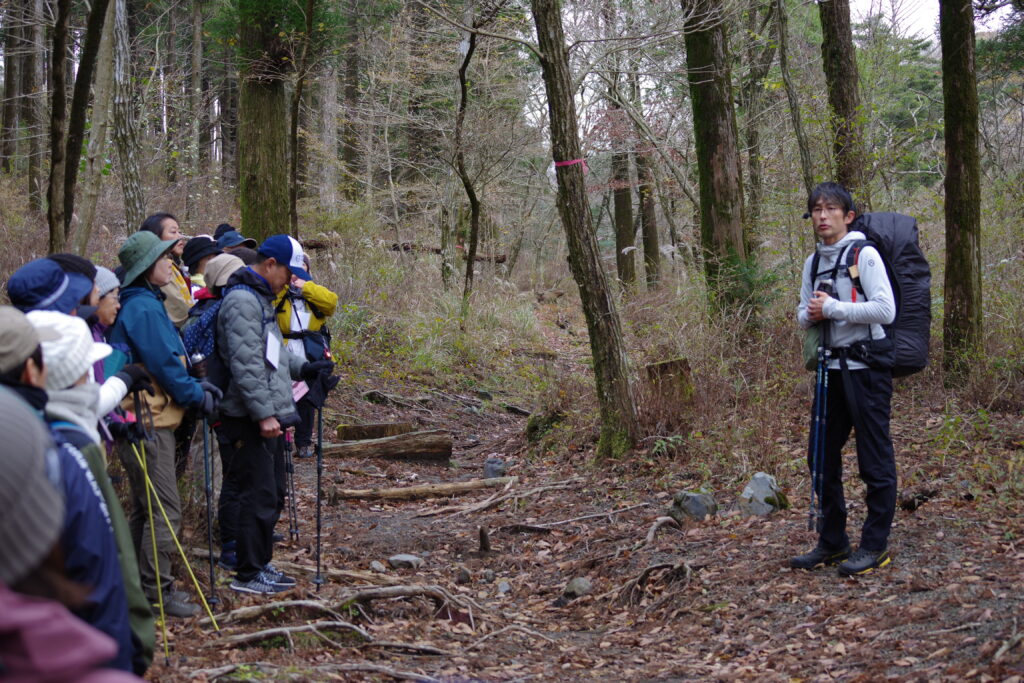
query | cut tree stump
[374, 431]
[434, 446]
[671, 380]
[415, 492]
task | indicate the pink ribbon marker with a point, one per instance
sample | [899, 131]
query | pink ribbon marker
[573, 162]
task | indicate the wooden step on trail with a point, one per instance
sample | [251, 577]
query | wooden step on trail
[377, 430]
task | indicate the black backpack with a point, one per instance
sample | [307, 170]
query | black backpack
[200, 340]
[894, 235]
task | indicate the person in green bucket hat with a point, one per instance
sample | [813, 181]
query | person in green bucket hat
[145, 335]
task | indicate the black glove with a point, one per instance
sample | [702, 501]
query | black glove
[125, 431]
[310, 371]
[136, 379]
[209, 404]
[212, 388]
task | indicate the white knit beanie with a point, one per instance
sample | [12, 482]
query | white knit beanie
[69, 357]
[32, 503]
[106, 281]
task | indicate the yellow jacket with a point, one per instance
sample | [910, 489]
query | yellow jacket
[319, 296]
[179, 297]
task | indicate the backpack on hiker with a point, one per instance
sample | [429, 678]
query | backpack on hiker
[200, 338]
[905, 347]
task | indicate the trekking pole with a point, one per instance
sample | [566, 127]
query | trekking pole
[293, 507]
[152, 536]
[174, 537]
[319, 579]
[824, 426]
[813, 441]
[209, 508]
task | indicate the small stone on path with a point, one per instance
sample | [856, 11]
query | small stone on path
[378, 567]
[577, 588]
[405, 561]
[694, 505]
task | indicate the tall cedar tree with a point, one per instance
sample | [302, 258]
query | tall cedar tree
[718, 159]
[962, 325]
[840, 63]
[619, 426]
[262, 121]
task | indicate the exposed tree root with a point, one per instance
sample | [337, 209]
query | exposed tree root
[511, 627]
[288, 632]
[497, 499]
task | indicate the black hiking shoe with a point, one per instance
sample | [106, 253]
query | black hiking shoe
[819, 557]
[864, 562]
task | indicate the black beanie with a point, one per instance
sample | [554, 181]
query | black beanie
[223, 228]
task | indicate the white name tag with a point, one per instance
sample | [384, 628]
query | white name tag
[273, 350]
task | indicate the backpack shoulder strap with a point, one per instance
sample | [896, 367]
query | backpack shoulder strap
[852, 256]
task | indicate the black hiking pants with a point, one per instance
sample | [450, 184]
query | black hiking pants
[227, 501]
[253, 469]
[872, 390]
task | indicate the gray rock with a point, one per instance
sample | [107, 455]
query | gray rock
[494, 466]
[762, 496]
[504, 587]
[405, 561]
[578, 587]
[488, 576]
[484, 395]
[693, 505]
[462, 576]
[378, 567]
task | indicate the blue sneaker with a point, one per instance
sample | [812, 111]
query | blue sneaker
[278, 578]
[258, 586]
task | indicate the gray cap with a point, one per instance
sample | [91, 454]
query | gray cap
[106, 281]
[33, 507]
[19, 338]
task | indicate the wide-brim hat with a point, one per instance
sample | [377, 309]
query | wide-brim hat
[232, 238]
[43, 285]
[198, 248]
[140, 251]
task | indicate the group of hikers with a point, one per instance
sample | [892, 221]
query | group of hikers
[187, 334]
[217, 330]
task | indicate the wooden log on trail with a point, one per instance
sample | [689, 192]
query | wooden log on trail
[421, 491]
[433, 445]
[374, 431]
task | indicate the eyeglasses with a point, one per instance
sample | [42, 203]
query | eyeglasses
[819, 210]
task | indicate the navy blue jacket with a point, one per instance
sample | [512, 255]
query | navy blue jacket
[90, 552]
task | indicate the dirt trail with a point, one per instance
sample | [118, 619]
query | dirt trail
[720, 604]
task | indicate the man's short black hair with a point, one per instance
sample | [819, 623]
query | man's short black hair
[73, 263]
[155, 223]
[831, 192]
[12, 377]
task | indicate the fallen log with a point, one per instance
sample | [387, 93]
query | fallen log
[434, 445]
[374, 431]
[421, 491]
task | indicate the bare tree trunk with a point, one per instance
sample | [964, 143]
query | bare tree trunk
[58, 114]
[962, 326]
[125, 134]
[718, 160]
[300, 83]
[350, 134]
[759, 61]
[619, 425]
[840, 62]
[460, 165]
[92, 178]
[625, 232]
[195, 106]
[33, 102]
[13, 63]
[645, 193]
[782, 32]
[329, 135]
[80, 106]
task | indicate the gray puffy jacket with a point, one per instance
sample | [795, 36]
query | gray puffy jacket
[245, 321]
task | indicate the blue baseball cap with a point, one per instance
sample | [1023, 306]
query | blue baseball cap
[233, 238]
[41, 285]
[286, 251]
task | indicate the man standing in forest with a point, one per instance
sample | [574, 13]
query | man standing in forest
[258, 405]
[858, 395]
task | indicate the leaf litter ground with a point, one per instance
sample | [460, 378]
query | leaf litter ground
[710, 600]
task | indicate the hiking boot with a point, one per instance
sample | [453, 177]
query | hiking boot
[176, 607]
[864, 562]
[819, 557]
[228, 560]
[258, 586]
[276, 577]
[306, 452]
